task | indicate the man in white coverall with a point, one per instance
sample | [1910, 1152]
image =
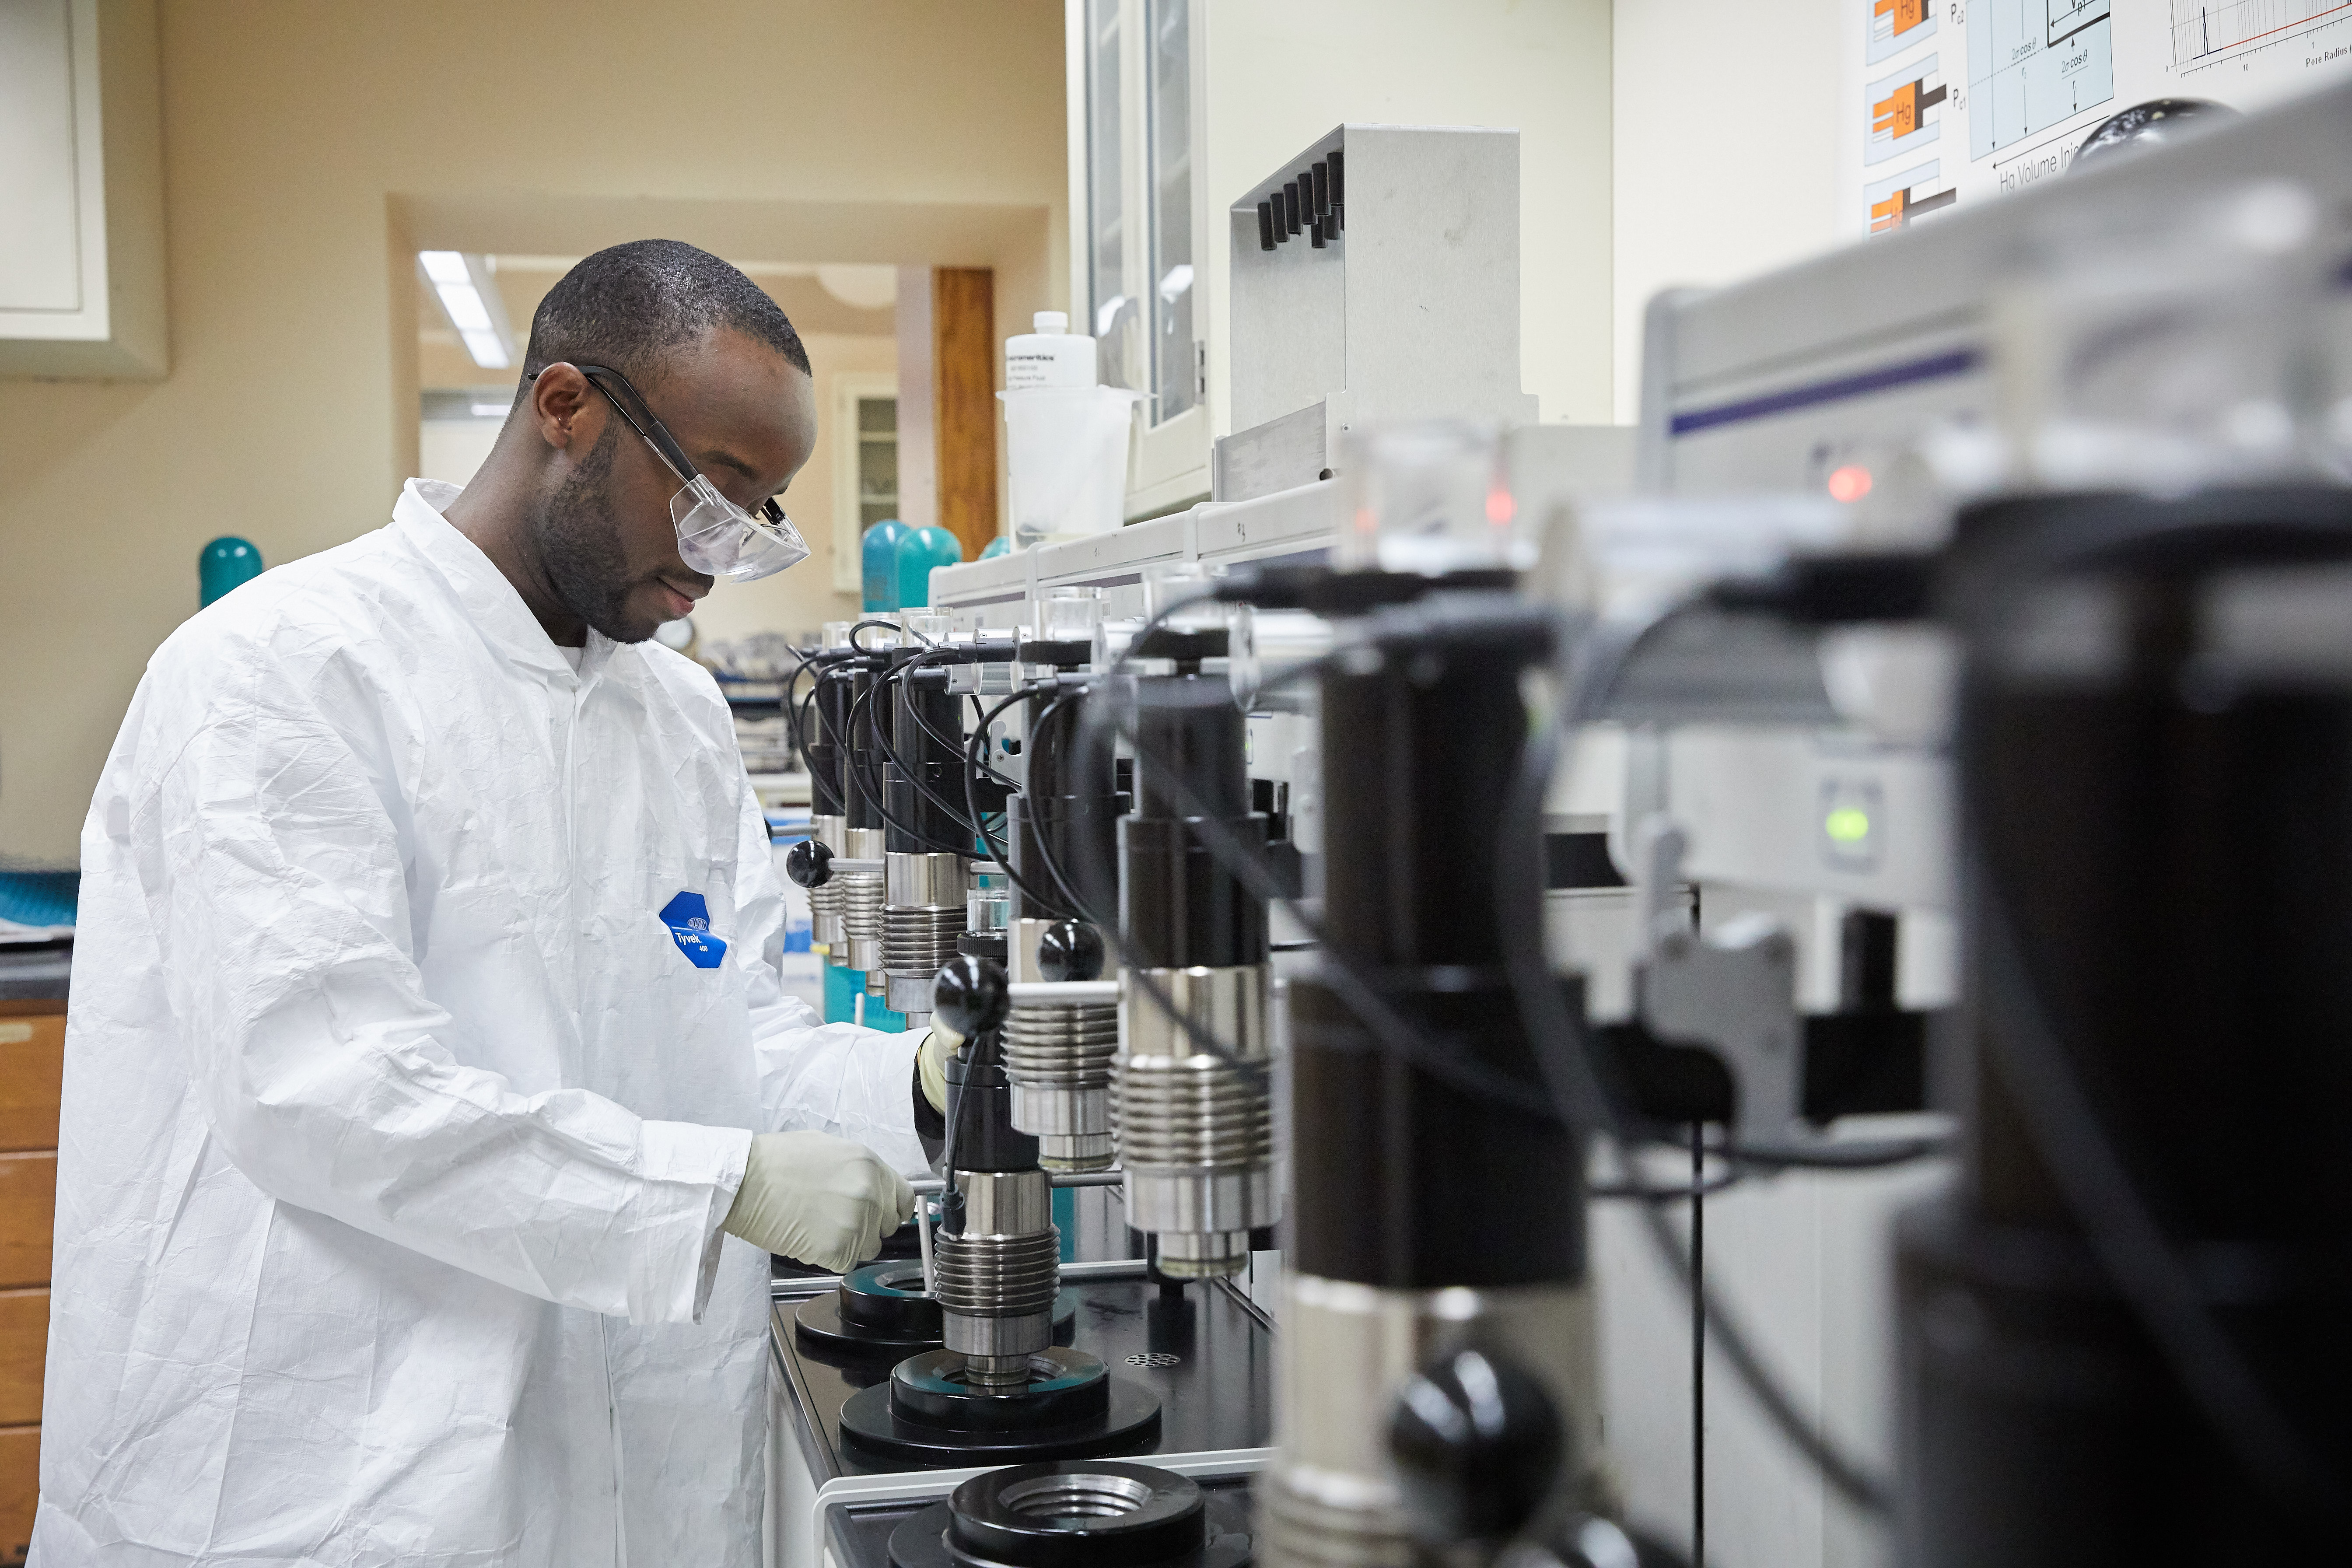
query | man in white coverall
[428, 1053]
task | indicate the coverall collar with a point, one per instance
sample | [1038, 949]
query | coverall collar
[491, 600]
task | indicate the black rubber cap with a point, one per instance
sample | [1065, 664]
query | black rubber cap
[809, 863]
[1479, 1446]
[1070, 950]
[969, 996]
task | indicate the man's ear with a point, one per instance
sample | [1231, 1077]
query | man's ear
[565, 407]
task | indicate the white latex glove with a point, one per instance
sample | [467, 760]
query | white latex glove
[931, 1063]
[823, 1200]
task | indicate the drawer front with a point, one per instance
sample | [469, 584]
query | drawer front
[29, 1216]
[20, 1489]
[23, 1350]
[32, 1062]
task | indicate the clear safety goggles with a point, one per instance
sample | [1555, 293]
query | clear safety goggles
[714, 535]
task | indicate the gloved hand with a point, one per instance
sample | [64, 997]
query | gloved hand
[932, 1064]
[823, 1200]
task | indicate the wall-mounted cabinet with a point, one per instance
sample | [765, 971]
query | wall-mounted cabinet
[81, 191]
[864, 467]
[1177, 107]
[1140, 215]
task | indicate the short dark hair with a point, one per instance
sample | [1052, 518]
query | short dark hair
[632, 306]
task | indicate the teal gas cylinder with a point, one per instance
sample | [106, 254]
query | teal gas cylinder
[919, 550]
[223, 564]
[878, 562]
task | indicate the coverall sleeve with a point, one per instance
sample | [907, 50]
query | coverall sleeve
[276, 881]
[815, 1077]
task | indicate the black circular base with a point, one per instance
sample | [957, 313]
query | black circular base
[1064, 1386]
[912, 1327]
[1076, 1416]
[924, 1540]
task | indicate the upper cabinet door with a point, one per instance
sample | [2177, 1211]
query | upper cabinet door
[81, 266]
[1168, 187]
[1137, 220]
[41, 187]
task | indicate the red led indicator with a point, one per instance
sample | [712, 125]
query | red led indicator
[1500, 507]
[1850, 483]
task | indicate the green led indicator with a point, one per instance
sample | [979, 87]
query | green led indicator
[1847, 825]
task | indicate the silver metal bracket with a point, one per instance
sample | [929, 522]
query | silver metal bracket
[1733, 991]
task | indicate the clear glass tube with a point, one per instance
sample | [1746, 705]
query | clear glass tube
[988, 903]
[927, 626]
[1071, 615]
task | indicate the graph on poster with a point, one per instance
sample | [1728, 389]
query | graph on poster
[2207, 32]
[2033, 64]
[1952, 102]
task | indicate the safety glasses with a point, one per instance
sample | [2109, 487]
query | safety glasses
[714, 535]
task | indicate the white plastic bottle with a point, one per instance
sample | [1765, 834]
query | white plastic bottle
[1051, 356]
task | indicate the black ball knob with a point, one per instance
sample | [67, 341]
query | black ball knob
[969, 996]
[1070, 950]
[809, 863]
[1480, 1446]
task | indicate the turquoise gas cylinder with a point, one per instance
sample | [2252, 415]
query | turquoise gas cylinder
[879, 560]
[223, 564]
[919, 550]
[1000, 545]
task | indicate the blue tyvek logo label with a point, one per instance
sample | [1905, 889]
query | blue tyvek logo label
[688, 919]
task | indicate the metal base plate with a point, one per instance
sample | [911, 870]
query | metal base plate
[1132, 1421]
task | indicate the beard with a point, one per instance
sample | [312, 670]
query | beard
[579, 544]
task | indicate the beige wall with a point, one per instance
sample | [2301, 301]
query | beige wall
[1726, 147]
[803, 599]
[310, 148]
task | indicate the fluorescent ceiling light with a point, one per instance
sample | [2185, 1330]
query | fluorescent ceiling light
[487, 352]
[466, 312]
[462, 283]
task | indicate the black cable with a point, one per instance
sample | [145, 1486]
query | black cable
[1202, 1038]
[1359, 992]
[1003, 857]
[2124, 1235]
[954, 814]
[1577, 1076]
[981, 721]
[917, 713]
[893, 627]
[963, 1094]
[850, 769]
[1045, 852]
[815, 666]
[1698, 1344]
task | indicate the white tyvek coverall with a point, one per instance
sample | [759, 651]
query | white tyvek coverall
[397, 1128]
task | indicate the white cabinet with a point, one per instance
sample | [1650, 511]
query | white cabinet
[1178, 107]
[865, 468]
[81, 231]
